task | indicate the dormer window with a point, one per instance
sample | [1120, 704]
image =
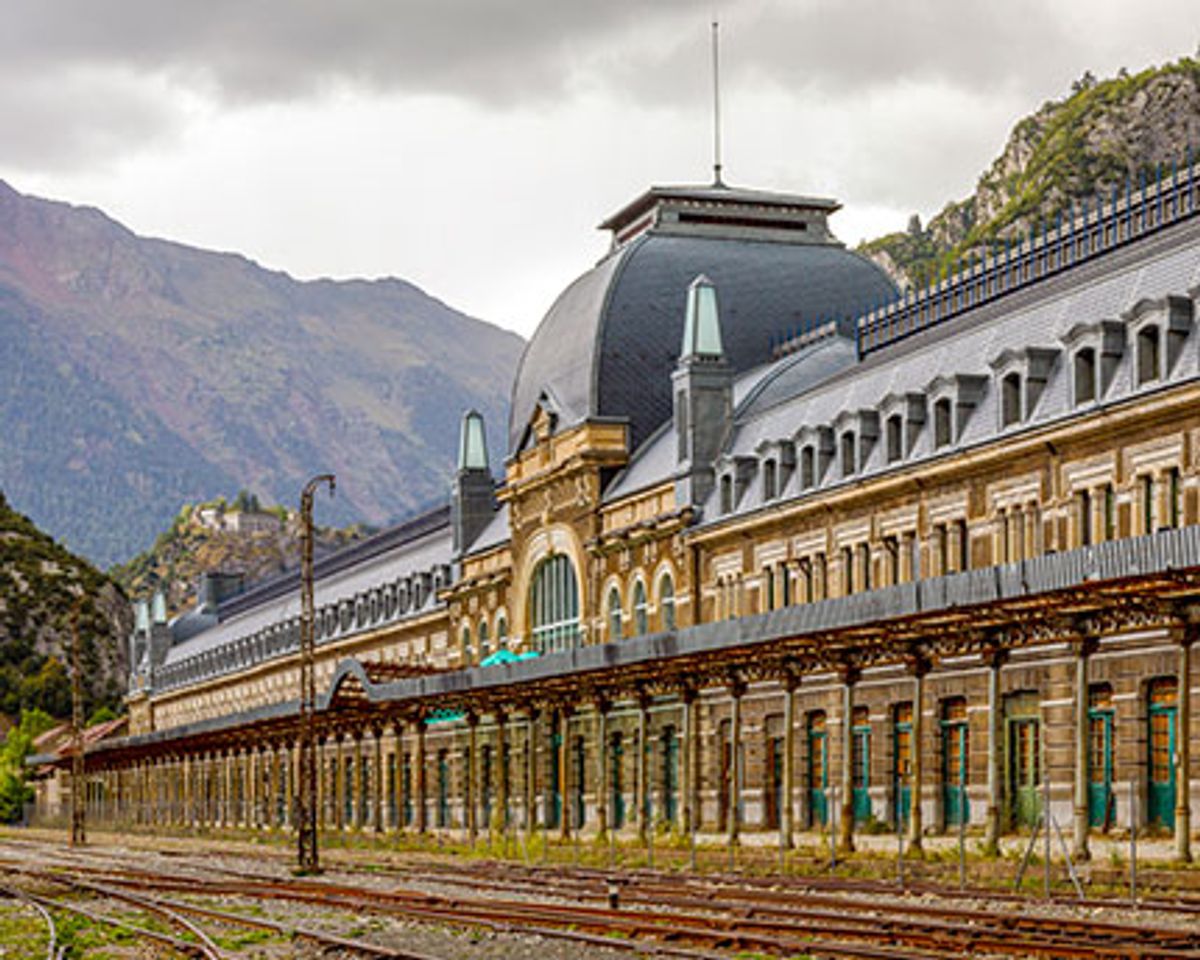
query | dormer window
[1158, 328]
[1010, 399]
[903, 418]
[943, 423]
[1149, 354]
[1085, 375]
[727, 494]
[1096, 351]
[1022, 376]
[954, 400]
[895, 438]
[849, 453]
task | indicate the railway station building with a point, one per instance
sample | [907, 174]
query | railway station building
[774, 547]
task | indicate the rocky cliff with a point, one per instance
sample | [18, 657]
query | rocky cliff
[1070, 152]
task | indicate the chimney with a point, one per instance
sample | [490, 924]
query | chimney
[702, 387]
[473, 498]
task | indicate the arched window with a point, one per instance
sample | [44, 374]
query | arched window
[943, 428]
[614, 614]
[554, 605]
[466, 644]
[895, 438]
[770, 487]
[1085, 375]
[849, 461]
[1010, 399]
[641, 616]
[808, 467]
[501, 632]
[1149, 361]
[484, 640]
[666, 601]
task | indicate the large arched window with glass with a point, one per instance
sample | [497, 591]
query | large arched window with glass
[641, 610]
[554, 605]
[666, 601]
[484, 640]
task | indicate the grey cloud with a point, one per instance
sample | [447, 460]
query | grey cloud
[271, 49]
[77, 119]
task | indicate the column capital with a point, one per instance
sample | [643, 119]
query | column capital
[736, 685]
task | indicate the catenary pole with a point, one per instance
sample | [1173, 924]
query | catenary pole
[307, 857]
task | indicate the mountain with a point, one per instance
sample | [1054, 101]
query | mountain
[220, 537]
[1070, 152]
[140, 374]
[40, 586]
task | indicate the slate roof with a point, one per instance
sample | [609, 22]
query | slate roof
[609, 343]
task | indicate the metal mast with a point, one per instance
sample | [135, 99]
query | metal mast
[716, 79]
[306, 788]
[78, 787]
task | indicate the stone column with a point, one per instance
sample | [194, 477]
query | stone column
[378, 781]
[1182, 759]
[469, 799]
[994, 658]
[602, 787]
[788, 806]
[642, 785]
[846, 823]
[1083, 649]
[919, 669]
[736, 689]
[419, 771]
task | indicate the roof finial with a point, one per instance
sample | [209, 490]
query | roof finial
[716, 78]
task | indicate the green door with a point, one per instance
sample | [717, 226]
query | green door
[1101, 800]
[1024, 749]
[775, 773]
[406, 790]
[552, 781]
[818, 770]
[670, 774]
[443, 789]
[579, 782]
[485, 784]
[861, 764]
[1164, 695]
[954, 762]
[902, 761]
[615, 752]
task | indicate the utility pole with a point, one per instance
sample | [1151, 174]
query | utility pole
[78, 787]
[306, 790]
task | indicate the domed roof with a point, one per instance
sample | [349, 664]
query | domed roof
[608, 345]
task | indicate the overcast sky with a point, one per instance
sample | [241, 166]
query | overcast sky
[471, 146]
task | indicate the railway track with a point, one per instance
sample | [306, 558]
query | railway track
[689, 917]
[53, 951]
[194, 941]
